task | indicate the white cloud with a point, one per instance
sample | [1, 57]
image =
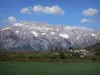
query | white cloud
[12, 19]
[88, 20]
[90, 12]
[48, 10]
[38, 8]
[84, 20]
[26, 10]
[43, 9]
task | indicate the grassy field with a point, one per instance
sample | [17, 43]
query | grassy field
[43, 68]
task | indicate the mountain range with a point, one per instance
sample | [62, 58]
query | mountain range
[42, 36]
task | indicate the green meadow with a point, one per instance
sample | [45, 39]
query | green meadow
[44, 68]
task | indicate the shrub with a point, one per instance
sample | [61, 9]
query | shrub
[62, 55]
[93, 58]
[97, 54]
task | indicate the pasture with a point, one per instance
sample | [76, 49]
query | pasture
[44, 68]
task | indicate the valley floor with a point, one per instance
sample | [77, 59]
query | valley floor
[43, 68]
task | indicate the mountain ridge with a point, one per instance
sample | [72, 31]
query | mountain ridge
[42, 36]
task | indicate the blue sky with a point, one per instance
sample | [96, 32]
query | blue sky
[82, 13]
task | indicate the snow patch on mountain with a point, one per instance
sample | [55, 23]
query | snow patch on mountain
[34, 33]
[6, 28]
[64, 35]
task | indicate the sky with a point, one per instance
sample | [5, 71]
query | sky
[81, 13]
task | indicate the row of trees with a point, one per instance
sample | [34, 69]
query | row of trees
[40, 56]
[56, 53]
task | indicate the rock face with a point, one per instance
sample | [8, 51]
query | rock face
[42, 36]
